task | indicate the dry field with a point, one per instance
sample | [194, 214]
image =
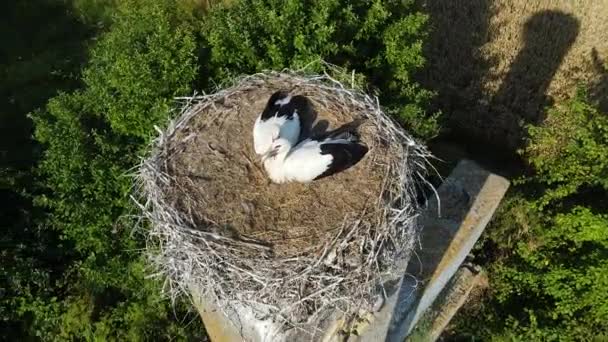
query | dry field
[497, 64]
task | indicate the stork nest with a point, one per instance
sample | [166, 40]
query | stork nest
[218, 224]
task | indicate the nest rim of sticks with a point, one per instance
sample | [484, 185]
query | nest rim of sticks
[289, 288]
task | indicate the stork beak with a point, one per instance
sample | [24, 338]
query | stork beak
[273, 153]
[270, 154]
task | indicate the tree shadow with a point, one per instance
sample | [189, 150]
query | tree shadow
[454, 68]
[599, 88]
[43, 48]
[43, 58]
[486, 129]
[548, 36]
[455, 71]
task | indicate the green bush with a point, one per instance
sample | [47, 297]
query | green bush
[97, 13]
[553, 285]
[570, 151]
[548, 245]
[379, 39]
[83, 279]
[45, 57]
[147, 58]
[91, 138]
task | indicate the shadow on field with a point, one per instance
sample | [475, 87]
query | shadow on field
[548, 35]
[599, 88]
[486, 127]
[455, 67]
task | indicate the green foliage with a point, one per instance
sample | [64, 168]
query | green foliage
[138, 313]
[75, 271]
[46, 56]
[94, 12]
[141, 64]
[549, 242]
[570, 151]
[558, 275]
[91, 138]
[379, 39]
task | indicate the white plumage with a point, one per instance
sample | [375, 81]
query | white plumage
[280, 119]
[312, 159]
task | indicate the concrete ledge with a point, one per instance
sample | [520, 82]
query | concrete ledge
[451, 226]
[450, 300]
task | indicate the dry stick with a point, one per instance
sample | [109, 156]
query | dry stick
[279, 279]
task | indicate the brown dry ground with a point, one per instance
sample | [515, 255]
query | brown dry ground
[222, 184]
[497, 64]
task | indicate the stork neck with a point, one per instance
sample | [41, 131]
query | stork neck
[275, 166]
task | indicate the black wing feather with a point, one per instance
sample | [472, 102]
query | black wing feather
[271, 108]
[347, 131]
[344, 156]
[297, 103]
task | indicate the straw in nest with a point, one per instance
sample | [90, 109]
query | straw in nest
[217, 224]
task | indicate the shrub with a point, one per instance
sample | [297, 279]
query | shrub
[570, 151]
[549, 241]
[553, 286]
[91, 138]
[140, 65]
[379, 39]
[94, 12]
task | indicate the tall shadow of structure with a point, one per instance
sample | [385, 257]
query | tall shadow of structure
[548, 35]
[599, 89]
[454, 67]
[470, 195]
[457, 69]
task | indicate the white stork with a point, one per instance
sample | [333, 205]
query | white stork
[313, 158]
[280, 119]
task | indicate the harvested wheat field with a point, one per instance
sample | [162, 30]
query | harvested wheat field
[219, 224]
[497, 64]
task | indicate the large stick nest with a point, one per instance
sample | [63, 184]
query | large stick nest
[218, 224]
